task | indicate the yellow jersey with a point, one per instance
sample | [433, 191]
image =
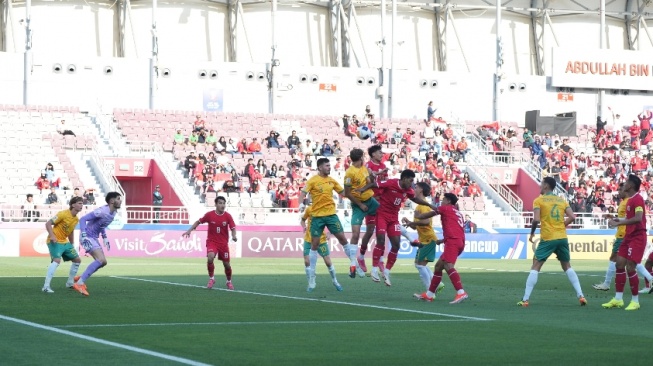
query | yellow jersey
[552, 216]
[425, 233]
[621, 213]
[357, 178]
[307, 234]
[63, 224]
[321, 191]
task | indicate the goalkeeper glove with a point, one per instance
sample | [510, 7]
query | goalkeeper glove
[107, 243]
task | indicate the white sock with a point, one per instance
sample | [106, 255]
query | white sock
[308, 272]
[531, 281]
[643, 272]
[312, 259]
[404, 232]
[73, 272]
[332, 272]
[573, 278]
[424, 275]
[609, 273]
[350, 251]
[635, 298]
[619, 296]
[48, 277]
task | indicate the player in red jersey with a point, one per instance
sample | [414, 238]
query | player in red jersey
[454, 244]
[631, 250]
[392, 194]
[217, 241]
[377, 169]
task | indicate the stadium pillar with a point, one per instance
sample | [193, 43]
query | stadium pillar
[273, 61]
[27, 60]
[334, 24]
[601, 103]
[392, 59]
[154, 60]
[498, 75]
[232, 13]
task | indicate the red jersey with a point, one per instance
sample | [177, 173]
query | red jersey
[381, 177]
[452, 222]
[391, 197]
[219, 226]
[636, 204]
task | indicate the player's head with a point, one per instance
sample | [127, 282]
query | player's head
[423, 188]
[375, 152]
[622, 191]
[406, 179]
[450, 199]
[356, 155]
[324, 166]
[113, 199]
[633, 183]
[220, 203]
[76, 203]
[548, 185]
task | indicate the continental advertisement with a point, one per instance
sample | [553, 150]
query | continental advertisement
[589, 247]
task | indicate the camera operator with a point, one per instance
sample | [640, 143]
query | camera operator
[273, 139]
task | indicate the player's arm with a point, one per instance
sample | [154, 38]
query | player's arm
[570, 216]
[233, 234]
[427, 215]
[639, 215]
[302, 199]
[195, 225]
[84, 220]
[354, 200]
[371, 184]
[71, 238]
[49, 228]
[421, 201]
[535, 223]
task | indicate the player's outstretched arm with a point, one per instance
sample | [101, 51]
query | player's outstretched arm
[195, 225]
[639, 215]
[372, 184]
[427, 215]
[85, 219]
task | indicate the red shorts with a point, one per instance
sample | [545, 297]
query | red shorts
[633, 247]
[221, 251]
[389, 227]
[453, 248]
[370, 220]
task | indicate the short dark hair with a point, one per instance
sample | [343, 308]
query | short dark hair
[407, 174]
[30, 195]
[111, 195]
[632, 178]
[550, 181]
[356, 154]
[374, 148]
[220, 198]
[322, 161]
[426, 188]
[451, 198]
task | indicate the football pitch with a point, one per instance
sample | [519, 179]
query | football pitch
[158, 312]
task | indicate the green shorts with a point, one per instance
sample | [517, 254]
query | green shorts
[318, 223]
[358, 215]
[616, 244]
[65, 251]
[322, 249]
[558, 246]
[426, 253]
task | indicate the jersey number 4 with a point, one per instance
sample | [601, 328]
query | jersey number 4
[555, 213]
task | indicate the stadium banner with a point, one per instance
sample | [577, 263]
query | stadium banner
[9, 243]
[590, 247]
[602, 69]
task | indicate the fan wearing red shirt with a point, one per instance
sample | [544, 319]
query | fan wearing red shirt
[377, 170]
[634, 131]
[454, 243]
[631, 250]
[217, 240]
[392, 194]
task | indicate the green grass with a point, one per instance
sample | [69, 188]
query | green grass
[159, 305]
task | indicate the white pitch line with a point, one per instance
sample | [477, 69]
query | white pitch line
[519, 271]
[309, 299]
[289, 322]
[104, 342]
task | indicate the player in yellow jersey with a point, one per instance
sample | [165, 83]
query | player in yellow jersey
[321, 187]
[61, 239]
[426, 238]
[323, 250]
[550, 210]
[618, 238]
[362, 204]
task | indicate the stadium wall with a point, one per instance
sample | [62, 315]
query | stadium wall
[28, 240]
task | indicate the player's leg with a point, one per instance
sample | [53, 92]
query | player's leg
[395, 241]
[453, 248]
[323, 249]
[317, 228]
[70, 254]
[562, 252]
[370, 228]
[223, 255]
[307, 263]
[424, 255]
[379, 248]
[648, 266]
[635, 256]
[620, 276]
[436, 281]
[612, 268]
[99, 261]
[357, 218]
[55, 260]
[210, 264]
[542, 253]
[335, 228]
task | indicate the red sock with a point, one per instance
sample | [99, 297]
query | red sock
[363, 247]
[227, 272]
[633, 280]
[377, 253]
[620, 280]
[211, 268]
[392, 258]
[435, 281]
[455, 279]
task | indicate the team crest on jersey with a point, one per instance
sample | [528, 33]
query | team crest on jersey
[224, 223]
